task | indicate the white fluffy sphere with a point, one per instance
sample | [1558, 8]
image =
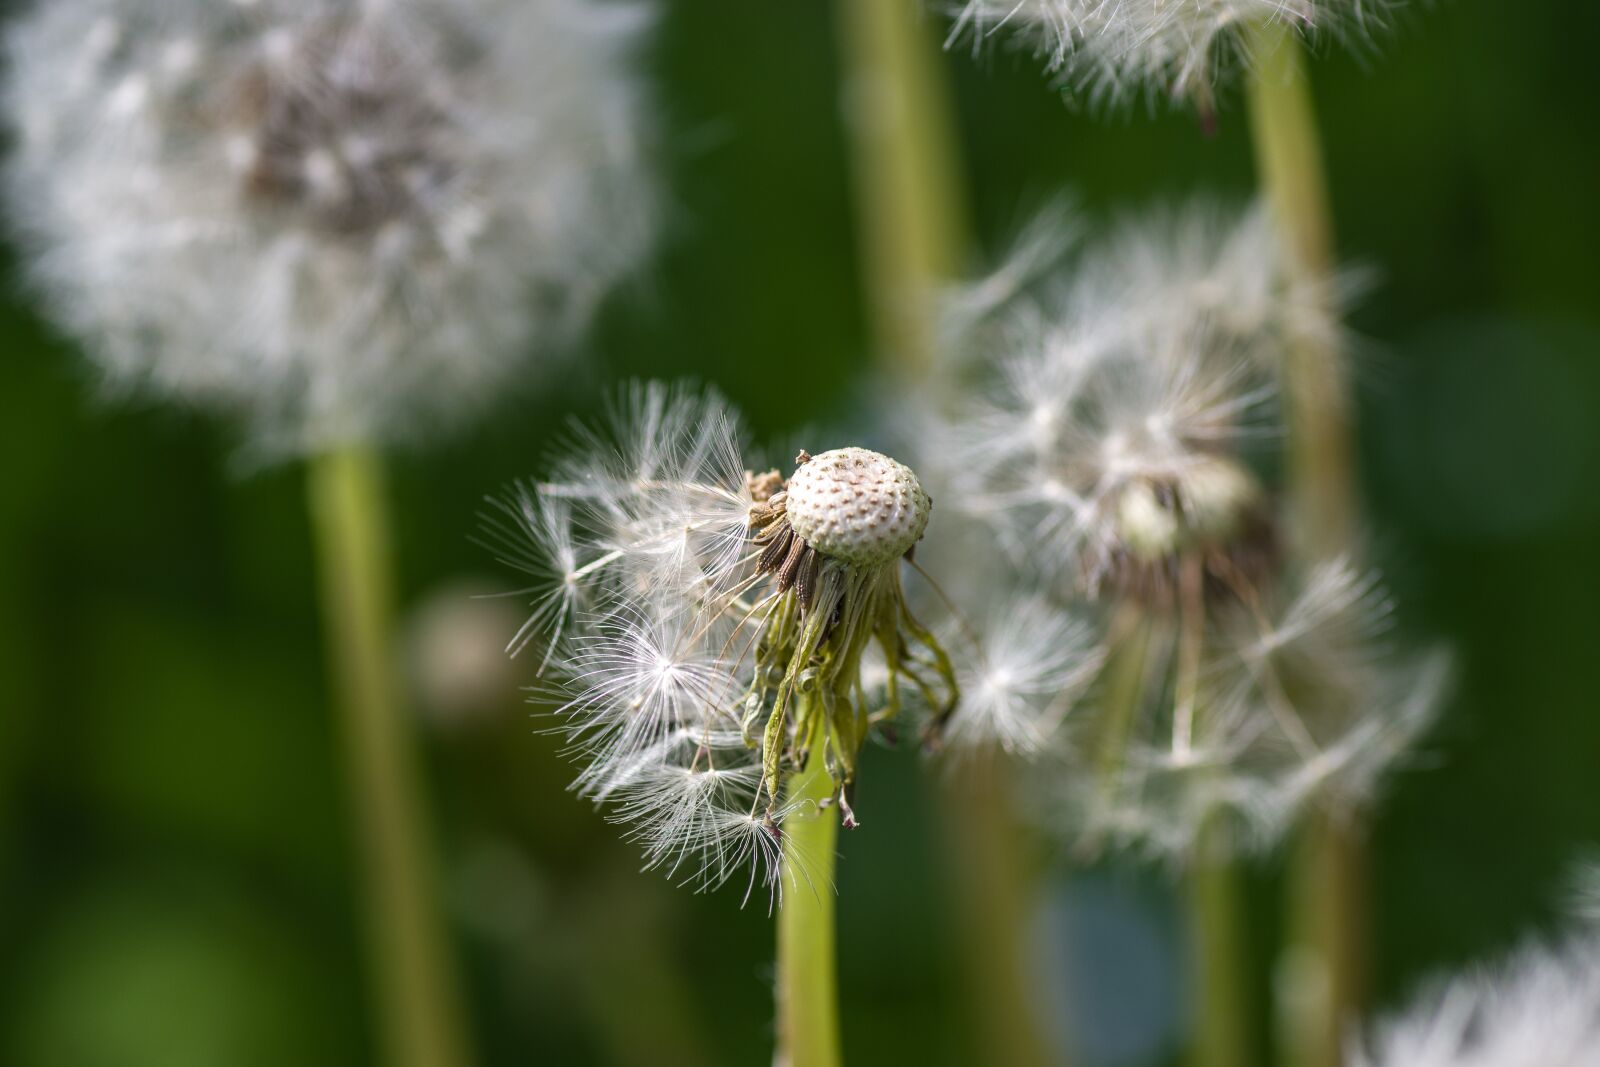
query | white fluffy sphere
[336, 218]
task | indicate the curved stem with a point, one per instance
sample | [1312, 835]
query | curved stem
[808, 995]
[1323, 969]
[409, 957]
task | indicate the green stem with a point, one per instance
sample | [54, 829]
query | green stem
[1323, 966]
[409, 957]
[1319, 974]
[808, 994]
[1124, 683]
[1222, 999]
[908, 191]
[994, 883]
[1289, 159]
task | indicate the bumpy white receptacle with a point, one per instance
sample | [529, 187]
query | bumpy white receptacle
[858, 506]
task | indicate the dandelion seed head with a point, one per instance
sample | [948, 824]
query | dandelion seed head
[1115, 430]
[333, 218]
[1541, 1008]
[1110, 52]
[1124, 414]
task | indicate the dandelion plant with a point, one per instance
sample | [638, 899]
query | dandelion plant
[721, 641]
[344, 223]
[1122, 445]
[1182, 50]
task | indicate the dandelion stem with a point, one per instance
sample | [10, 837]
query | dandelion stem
[1191, 636]
[1324, 962]
[1289, 161]
[995, 883]
[1326, 914]
[1223, 1006]
[897, 109]
[1124, 688]
[408, 947]
[1222, 1009]
[808, 994]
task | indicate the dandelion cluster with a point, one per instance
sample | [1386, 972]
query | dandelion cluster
[1541, 1009]
[1112, 50]
[336, 218]
[711, 630]
[1120, 451]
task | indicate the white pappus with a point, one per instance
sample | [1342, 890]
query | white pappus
[1119, 435]
[1111, 51]
[1541, 1008]
[335, 219]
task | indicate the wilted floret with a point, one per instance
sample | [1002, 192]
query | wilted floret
[706, 627]
[337, 218]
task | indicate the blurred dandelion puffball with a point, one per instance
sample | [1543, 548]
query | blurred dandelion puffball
[709, 631]
[1539, 1009]
[1115, 433]
[335, 218]
[1110, 51]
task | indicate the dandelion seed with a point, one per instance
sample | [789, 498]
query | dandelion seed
[1033, 663]
[339, 220]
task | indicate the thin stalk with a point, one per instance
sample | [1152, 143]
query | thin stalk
[1319, 977]
[1222, 1000]
[993, 879]
[409, 959]
[1327, 925]
[908, 190]
[808, 989]
[1289, 162]
[1124, 682]
[1223, 1007]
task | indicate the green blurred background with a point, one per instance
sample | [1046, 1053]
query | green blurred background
[175, 877]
